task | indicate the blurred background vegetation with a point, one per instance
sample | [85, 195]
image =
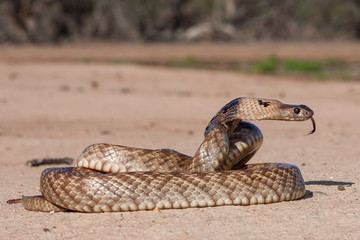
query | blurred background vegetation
[51, 21]
[39, 22]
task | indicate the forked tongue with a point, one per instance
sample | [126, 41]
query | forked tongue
[314, 126]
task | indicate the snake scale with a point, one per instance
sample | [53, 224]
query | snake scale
[111, 178]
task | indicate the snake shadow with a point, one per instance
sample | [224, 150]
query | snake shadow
[309, 194]
[329, 183]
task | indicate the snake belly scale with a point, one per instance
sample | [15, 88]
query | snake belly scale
[111, 178]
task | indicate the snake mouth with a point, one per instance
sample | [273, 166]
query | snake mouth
[314, 126]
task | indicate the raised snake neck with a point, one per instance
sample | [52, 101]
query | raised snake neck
[142, 179]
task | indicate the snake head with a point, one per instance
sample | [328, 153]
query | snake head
[298, 113]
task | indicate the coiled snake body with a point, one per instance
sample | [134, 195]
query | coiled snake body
[111, 178]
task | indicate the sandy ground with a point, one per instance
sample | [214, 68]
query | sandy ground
[344, 51]
[56, 109]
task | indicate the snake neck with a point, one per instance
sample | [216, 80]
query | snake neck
[228, 127]
[246, 109]
[251, 109]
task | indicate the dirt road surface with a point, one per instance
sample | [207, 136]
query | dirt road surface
[56, 109]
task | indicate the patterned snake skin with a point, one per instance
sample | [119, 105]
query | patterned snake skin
[110, 178]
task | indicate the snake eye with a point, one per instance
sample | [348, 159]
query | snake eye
[296, 110]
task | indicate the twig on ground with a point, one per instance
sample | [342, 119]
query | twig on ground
[44, 161]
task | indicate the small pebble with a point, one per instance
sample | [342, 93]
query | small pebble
[65, 88]
[94, 84]
[12, 76]
[105, 132]
[309, 194]
[341, 188]
[125, 90]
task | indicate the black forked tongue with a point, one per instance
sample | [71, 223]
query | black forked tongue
[314, 126]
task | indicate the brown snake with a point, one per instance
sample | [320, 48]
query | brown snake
[110, 178]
